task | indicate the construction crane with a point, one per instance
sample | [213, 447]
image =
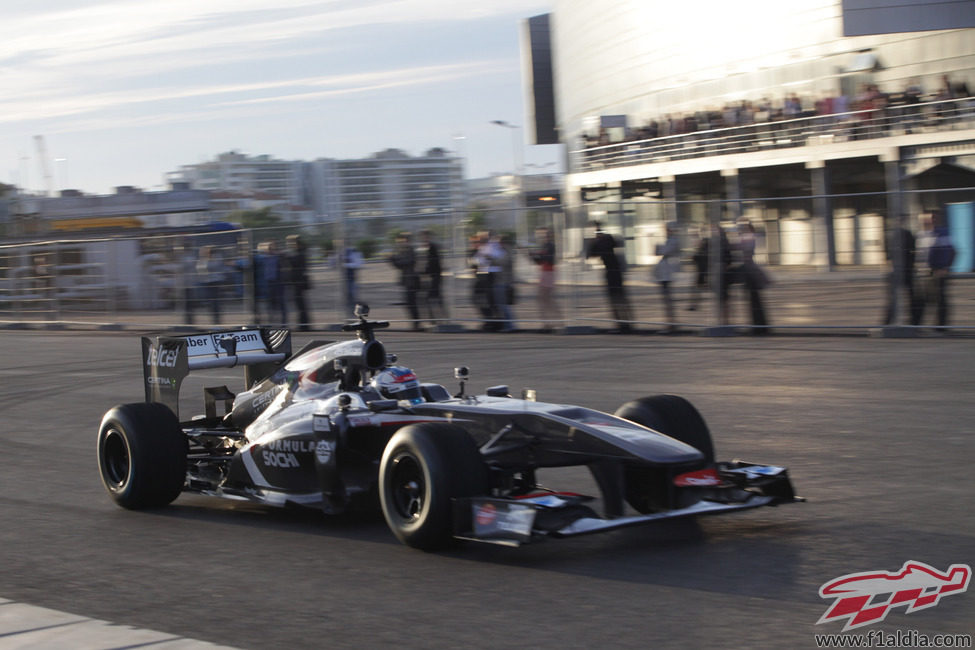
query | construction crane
[45, 165]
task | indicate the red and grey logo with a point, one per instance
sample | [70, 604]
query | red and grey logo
[866, 598]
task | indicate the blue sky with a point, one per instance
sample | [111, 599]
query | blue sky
[124, 91]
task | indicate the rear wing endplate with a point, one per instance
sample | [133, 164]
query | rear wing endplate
[167, 360]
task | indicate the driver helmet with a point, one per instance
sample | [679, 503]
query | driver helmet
[397, 382]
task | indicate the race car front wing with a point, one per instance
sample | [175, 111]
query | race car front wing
[514, 521]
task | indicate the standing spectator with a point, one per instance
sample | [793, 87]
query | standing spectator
[753, 277]
[296, 278]
[188, 260]
[269, 286]
[211, 272]
[504, 289]
[603, 245]
[351, 263]
[482, 295]
[404, 259]
[544, 256]
[700, 269]
[486, 257]
[432, 278]
[665, 270]
[725, 271]
[901, 254]
[941, 255]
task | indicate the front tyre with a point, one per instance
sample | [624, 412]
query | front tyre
[650, 489]
[423, 467]
[672, 416]
[142, 455]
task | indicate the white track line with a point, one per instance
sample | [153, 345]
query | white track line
[39, 628]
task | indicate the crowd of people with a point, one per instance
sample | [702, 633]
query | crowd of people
[420, 276]
[869, 102]
[280, 279]
[735, 264]
[920, 284]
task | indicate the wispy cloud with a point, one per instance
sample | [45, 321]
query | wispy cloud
[294, 89]
[67, 59]
[71, 66]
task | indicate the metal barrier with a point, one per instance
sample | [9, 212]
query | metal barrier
[152, 283]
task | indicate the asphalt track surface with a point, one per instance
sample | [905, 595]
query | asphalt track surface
[877, 434]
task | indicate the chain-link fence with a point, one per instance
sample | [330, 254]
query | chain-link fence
[814, 278]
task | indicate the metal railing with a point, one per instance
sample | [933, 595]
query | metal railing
[765, 136]
[147, 283]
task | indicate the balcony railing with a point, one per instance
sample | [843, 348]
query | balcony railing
[764, 136]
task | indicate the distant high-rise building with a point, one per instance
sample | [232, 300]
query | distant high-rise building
[243, 174]
[390, 188]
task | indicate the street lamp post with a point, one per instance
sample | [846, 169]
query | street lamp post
[64, 174]
[519, 189]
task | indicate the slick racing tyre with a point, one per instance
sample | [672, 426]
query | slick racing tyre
[672, 416]
[142, 455]
[648, 489]
[423, 467]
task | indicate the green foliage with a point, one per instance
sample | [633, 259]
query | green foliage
[368, 247]
[323, 238]
[4, 189]
[392, 234]
[254, 219]
[476, 221]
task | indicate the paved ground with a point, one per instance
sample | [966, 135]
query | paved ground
[801, 300]
[876, 434]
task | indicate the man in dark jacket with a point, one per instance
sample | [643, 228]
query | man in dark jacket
[404, 259]
[296, 278]
[901, 252]
[432, 272]
[941, 255]
[603, 245]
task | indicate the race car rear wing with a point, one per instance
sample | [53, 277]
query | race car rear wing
[167, 360]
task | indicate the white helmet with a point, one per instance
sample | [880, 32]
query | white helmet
[397, 382]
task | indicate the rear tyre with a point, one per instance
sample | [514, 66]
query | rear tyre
[142, 455]
[651, 490]
[423, 467]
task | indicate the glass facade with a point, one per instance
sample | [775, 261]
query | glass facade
[757, 110]
[648, 60]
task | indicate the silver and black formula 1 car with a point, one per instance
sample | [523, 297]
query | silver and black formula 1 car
[337, 423]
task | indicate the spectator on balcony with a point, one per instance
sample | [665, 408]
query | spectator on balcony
[911, 97]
